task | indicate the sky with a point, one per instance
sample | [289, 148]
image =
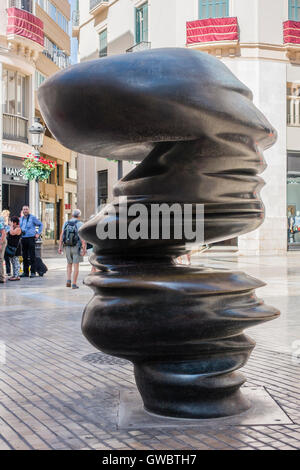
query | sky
[74, 42]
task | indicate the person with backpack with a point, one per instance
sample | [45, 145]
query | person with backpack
[75, 247]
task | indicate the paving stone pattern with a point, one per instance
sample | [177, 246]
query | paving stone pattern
[58, 392]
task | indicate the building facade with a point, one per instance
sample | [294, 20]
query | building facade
[259, 40]
[34, 44]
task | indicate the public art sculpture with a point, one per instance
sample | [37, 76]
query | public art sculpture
[199, 138]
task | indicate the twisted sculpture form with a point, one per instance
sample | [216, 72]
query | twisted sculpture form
[193, 125]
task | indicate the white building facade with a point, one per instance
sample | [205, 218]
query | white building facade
[259, 40]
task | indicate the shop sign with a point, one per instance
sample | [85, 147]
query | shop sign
[15, 174]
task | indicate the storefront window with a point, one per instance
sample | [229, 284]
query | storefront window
[293, 201]
[48, 219]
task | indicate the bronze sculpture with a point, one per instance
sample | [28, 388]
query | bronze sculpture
[199, 138]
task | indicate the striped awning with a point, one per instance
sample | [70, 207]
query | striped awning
[212, 29]
[23, 23]
[291, 32]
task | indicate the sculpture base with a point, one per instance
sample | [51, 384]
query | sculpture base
[182, 327]
[184, 393]
[263, 411]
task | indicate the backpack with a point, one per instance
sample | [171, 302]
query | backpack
[71, 235]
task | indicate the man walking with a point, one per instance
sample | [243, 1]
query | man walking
[2, 249]
[74, 245]
[29, 223]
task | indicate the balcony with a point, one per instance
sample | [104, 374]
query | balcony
[96, 6]
[291, 39]
[24, 30]
[293, 121]
[75, 18]
[54, 149]
[219, 36]
[75, 23]
[58, 57]
[293, 111]
[15, 128]
[141, 46]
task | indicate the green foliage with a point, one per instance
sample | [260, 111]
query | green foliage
[37, 168]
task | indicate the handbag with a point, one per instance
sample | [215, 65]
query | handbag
[10, 250]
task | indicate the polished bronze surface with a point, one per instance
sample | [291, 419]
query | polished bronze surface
[200, 139]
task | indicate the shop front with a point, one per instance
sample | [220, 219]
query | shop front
[15, 189]
[51, 199]
[293, 201]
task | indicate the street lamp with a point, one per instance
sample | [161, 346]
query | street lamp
[37, 132]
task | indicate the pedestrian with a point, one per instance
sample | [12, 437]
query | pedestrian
[13, 248]
[29, 223]
[75, 247]
[90, 250]
[2, 248]
[5, 214]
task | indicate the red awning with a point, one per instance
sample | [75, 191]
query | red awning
[212, 29]
[291, 32]
[23, 23]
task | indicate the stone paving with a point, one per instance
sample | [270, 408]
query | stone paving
[58, 392]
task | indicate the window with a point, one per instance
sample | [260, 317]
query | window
[59, 175]
[294, 10]
[62, 21]
[141, 24]
[68, 200]
[14, 93]
[213, 9]
[102, 188]
[54, 13]
[48, 221]
[11, 93]
[21, 4]
[39, 79]
[103, 43]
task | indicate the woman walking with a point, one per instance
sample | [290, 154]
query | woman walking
[13, 248]
[5, 214]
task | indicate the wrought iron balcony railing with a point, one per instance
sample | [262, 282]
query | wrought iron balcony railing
[15, 127]
[59, 58]
[95, 3]
[141, 46]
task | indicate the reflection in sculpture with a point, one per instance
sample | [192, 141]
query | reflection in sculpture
[199, 138]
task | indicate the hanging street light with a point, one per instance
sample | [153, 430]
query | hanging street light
[37, 132]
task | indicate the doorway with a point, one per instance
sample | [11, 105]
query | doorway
[14, 198]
